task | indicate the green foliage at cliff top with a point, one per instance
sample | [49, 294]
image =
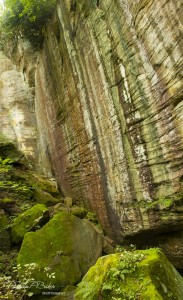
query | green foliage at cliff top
[27, 17]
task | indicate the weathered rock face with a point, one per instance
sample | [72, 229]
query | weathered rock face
[109, 111]
[18, 121]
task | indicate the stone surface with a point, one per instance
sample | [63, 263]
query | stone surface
[38, 215]
[75, 210]
[66, 246]
[9, 205]
[18, 121]
[109, 111]
[171, 245]
[143, 275]
[45, 198]
[68, 201]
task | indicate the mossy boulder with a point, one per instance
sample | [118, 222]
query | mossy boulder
[45, 184]
[66, 247]
[68, 201]
[75, 210]
[45, 198]
[78, 211]
[5, 240]
[28, 221]
[143, 275]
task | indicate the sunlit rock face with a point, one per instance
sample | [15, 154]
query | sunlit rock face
[109, 111]
[17, 112]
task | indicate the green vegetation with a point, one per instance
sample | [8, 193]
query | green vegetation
[54, 250]
[29, 221]
[5, 164]
[14, 288]
[131, 275]
[160, 204]
[27, 18]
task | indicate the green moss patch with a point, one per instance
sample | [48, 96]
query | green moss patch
[45, 198]
[143, 275]
[66, 247]
[160, 204]
[28, 221]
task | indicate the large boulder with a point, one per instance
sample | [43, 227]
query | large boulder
[143, 275]
[63, 250]
[28, 220]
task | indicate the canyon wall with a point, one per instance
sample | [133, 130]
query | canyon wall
[109, 111]
[107, 119]
[17, 100]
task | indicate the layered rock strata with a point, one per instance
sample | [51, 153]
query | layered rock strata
[17, 110]
[109, 111]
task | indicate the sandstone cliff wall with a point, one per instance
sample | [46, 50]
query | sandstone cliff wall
[17, 105]
[109, 110]
[108, 113]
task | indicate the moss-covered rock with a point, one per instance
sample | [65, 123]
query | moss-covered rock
[75, 210]
[27, 221]
[20, 184]
[10, 206]
[63, 250]
[45, 184]
[78, 211]
[68, 201]
[45, 198]
[143, 275]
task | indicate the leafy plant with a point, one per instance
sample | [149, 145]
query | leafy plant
[127, 266]
[113, 284]
[27, 18]
[12, 288]
[18, 189]
[5, 165]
